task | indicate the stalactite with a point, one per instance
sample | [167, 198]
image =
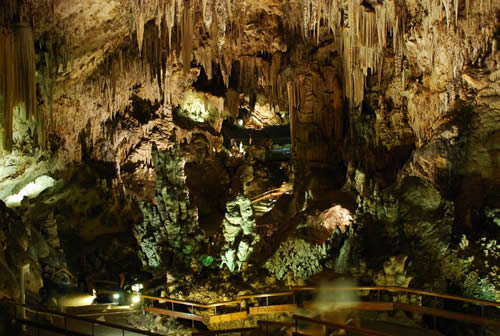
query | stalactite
[361, 37]
[17, 79]
[275, 68]
[120, 55]
[167, 95]
[233, 103]
[170, 21]
[229, 9]
[291, 107]
[187, 32]
[226, 67]
[447, 10]
[25, 69]
[204, 10]
[7, 89]
[140, 31]
[318, 20]
[205, 58]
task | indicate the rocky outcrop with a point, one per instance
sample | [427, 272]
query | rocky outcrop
[239, 233]
[167, 235]
[412, 220]
[20, 245]
[297, 259]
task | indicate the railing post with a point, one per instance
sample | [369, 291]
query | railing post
[267, 300]
[192, 321]
[92, 328]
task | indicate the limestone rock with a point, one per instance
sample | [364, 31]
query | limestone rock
[297, 257]
[239, 233]
[49, 228]
[394, 273]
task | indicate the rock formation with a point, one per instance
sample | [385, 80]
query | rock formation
[251, 136]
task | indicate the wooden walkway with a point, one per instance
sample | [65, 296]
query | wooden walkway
[241, 307]
[245, 306]
[43, 322]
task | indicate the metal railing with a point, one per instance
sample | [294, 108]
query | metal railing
[341, 326]
[41, 318]
[378, 305]
[263, 327]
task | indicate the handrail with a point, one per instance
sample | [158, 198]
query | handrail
[447, 314]
[80, 318]
[295, 289]
[363, 331]
[286, 187]
[277, 323]
[192, 304]
[255, 296]
[225, 331]
[49, 327]
[105, 313]
[240, 299]
[405, 289]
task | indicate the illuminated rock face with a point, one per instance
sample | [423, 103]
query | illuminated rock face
[169, 224]
[390, 105]
[239, 233]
